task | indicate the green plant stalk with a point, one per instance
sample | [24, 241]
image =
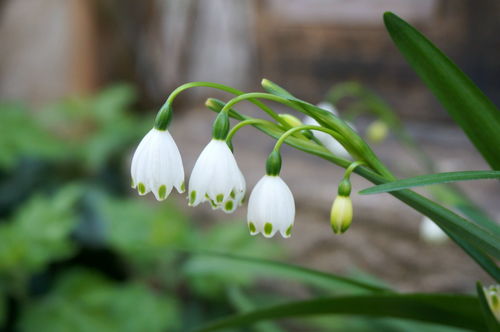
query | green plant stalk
[377, 105]
[449, 193]
[170, 99]
[349, 138]
[414, 200]
[432, 308]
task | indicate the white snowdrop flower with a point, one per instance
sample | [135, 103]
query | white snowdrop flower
[157, 165]
[216, 178]
[430, 232]
[328, 141]
[271, 207]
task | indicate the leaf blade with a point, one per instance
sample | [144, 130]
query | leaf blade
[429, 179]
[453, 310]
[465, 102]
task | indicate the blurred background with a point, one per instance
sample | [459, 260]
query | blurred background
[80, 82]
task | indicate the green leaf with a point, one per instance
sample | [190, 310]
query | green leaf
[85, 301]
[464, 101]
[214, 261]
[489, 317]
[38, 233]
[428, 179]
[466, 234]
[452, 310]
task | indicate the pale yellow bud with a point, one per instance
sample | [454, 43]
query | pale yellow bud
[377, 131]
[341, 214]
[291, 120]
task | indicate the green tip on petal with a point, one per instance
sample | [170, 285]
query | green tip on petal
[219, 198]
[192, 197]
[132, 184]
[251, 226]
[229, 205]
[183, 187]
[289, 230]
[232, 194]
[162, 192]
[141, 188]
[268, 228]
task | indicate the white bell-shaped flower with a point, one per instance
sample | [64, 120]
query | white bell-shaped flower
[271, 208]
[430, 232]
[157, 165]
[328, 141]
[216, 178]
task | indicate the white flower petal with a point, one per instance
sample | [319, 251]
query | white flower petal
[157, 165]
[328, 141]
[430, 232]
[271, 207]
[217, 178]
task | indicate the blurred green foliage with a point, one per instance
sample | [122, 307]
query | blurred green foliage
[78, 252]
[85, 301]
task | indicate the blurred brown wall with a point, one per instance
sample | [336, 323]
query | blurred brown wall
[59, 47]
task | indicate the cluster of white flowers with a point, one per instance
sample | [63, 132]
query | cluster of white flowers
[216, 178]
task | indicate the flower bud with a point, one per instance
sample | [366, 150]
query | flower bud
[341, 214]
[377, 131]
[492, 295]
[291, 120]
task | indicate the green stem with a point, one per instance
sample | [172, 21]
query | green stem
[168, 103]
[413, 199]
[351, 168]
[289, 132]
[244, 123]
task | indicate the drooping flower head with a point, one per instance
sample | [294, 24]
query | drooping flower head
[216, 178]
[271, 207]
[157, 165]
[327, 140]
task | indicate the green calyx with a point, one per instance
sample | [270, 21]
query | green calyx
[273, 163]
[344, 188]
[221, 126]
[164, 117]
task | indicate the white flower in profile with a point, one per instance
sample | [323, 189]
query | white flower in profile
[157, 165]
[216, 178]
[271, 207]
[430, 232]
[328, 141]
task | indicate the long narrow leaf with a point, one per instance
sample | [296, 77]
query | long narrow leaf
[463, 229]
[279, 269]
[428, 179]
[464, 101]
[453, 310]
[413, 199]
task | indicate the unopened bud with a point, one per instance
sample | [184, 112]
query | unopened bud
[291, 120]
[341, 214]
[492, 295]
[377, 131]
